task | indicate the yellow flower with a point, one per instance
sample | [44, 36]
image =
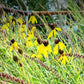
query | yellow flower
[45, 50]
[33, 29]
[14, 46]
[63, 59]
[58, 46]
[29, 43]
[30, 35]
[53, 32]
[20, 21]
[32, 19]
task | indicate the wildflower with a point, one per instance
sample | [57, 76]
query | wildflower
[44, 49]
[33, 29]
[32, 19]
[53, 32]
[20, 21]
[15, 58]
[59, 45]
[47, 48]
[39, 56]
[29, 43]
[13, 46]
[63, 59]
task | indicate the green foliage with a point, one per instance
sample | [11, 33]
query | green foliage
[33, 4]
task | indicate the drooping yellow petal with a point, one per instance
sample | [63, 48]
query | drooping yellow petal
[58, 29]
[35, 42]
[54, 33]
[11, 48]
[56, 49]
[32, 19]
[40, 49]
[61, 46]
[50, 34]
[15, 45]
[33, 55]
[39, 56]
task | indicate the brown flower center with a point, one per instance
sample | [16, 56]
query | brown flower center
[15, 58]
[39, 40]
[45, 43]
[61, 51]
[20, 51]
[57, 41]
[13, 40]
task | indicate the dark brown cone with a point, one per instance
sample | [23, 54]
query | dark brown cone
[57, 41]
[39, 40]
[61, 51]
[15, 58]
[13, 40]
[45, 43]
[20, 51]
[52, 26]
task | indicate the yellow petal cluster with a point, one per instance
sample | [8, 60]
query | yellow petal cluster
[53, 32]
[14, 46]
[58, 46]
[32, 19]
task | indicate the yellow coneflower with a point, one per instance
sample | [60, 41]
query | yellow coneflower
[14, 46]
[59, 45]
[32, 19]
[53, 32]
